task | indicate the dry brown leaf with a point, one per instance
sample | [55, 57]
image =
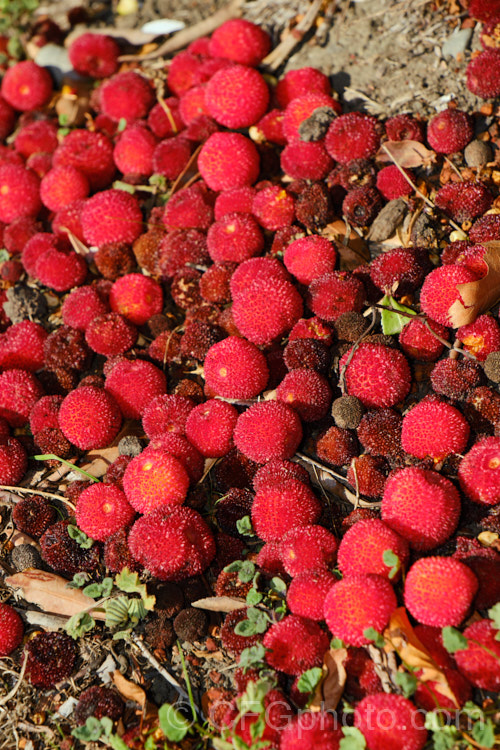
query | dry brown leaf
[129, 690]
[331, 686]
[406, 153]
[352, 248]
[51, 593]
[208, 654]
[100, 460]
[219, 603]
[401, 637]
[478, 296]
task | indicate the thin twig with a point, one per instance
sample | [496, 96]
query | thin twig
[341, 479]
[9, 696]
[188, 166]
[353, 350]
[30, 491]
[280, 53]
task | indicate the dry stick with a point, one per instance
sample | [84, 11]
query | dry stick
[279, 54]
[339, 477]
[186, 36]
[415, 188]
[30, 491]
[353, 350]
[9, 696]
[188, 166]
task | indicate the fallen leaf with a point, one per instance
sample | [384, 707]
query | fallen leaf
[401, 638]
[352, 248]
[219, 603]
[405, 154]
[51, 593]
[100, 460]
[331, 686]
[478, 296]
[129, 690]
[208, 654]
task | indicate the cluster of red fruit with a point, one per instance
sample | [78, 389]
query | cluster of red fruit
[238, 261]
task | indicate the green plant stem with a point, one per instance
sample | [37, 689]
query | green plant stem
[53, 457]
[194, 712]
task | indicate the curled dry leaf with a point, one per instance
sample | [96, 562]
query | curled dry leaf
[352, 248]
[407, 154]
[331, 686]
[478, 296]
[129, 690]
[100, 460]
[401, 637]
[219, 603]
[51, 593]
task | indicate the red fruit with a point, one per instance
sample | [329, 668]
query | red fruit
[269, 560]
[228, 160]
[439, 591]
[480, 337]
[153, 479]
[276, 470]
[485, 228]
[306, 593]
[173, 544]
[182, 247]
[33, 515]
[19, 192]
[69, 218]
[19, 392]
[352, 136]
[363, 546]
[300, 108]
[269, 128]
[434, 428]
[336, 446]
[235, 368]
[36, 137]
[111, 216]
[136, 297]
[335, 293]
[64, 554]
[480, 661]
[13, 461]
[307, 548]
[479, 472]
[273, 207]
[89, 418]
[7, 119]
[464, 201]
[236, 96]
[237, 200]
[484, 10]
[450, 131]
[102, 509]
[368, 474]
[26, 86]
[440, 291]
[210, 427]
[133, 153]
[110, 334]
[377, 375]
[241, 41]
[232, 642]
[390, 722]
[254, 319]
[19, 232]
[418, 342]
[482, 74]
[63, 185]
[11, 629]
[81, 306]
[300, 82]
[392, 184]
[234, 238]
[268, 430]
[380, 432]
[95, 55]
[166, 414]
[404, 128]
[60, 270]
[455, 378]
[90, 152]
[397, 271]
[307, 392]
[21, 346]
[295, 644]
[279, 508]
[356, 603]
[134, 384]
[126, 96]
[51, 658]
[422, 506]
[306, 160]
[310, 257]
[179, 447]
[182, 71]
[361, 205]
[277, 714]
[98, 701]
[170, 157]
[267, 269]
[192, 104]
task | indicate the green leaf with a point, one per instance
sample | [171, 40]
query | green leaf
[234, 567]
[63, 119]
[494, 614]
[353, 739]
[472, 710]
[94, 590]
[107, 725]
[337, 643]
[254, 597]
[253, 657]
[118, 744]
[107, 586]
[446, 738]
[4, 255]
[80, 537]
[150, 743]
[117, 612]
[252, 700]
[392, 322]
[433, 721]
[172, 723]
[122, 124]
[79, 624]
[246, 572]
[79, 580]
[392, 561]
[260, 619]
[130, 583]
[257, 728]
[453, 640]
[245, 628]
[484, 733]
[308, 680]
[407, 682]
[90, 731]
[244, 526]
[278, 585]
[373, 635]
